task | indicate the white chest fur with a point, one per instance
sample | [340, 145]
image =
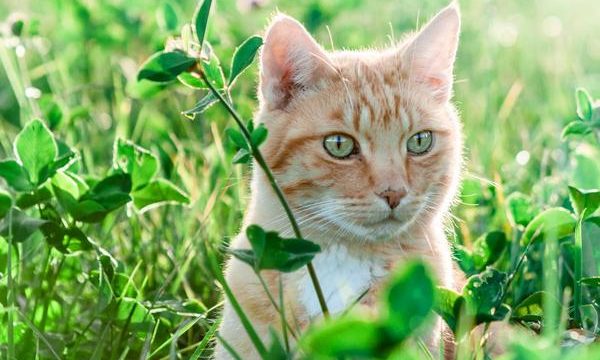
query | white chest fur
[344, 277]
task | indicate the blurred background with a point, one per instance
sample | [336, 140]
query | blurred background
[74, 64]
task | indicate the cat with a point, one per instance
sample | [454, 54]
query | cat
[367, 148]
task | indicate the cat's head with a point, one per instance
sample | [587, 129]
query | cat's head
[365, 143]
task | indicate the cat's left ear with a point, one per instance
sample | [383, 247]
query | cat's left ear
[430, 56]
[291, 61]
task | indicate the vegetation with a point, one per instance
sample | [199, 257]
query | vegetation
[123, 179]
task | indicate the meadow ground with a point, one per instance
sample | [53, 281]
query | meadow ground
[74, 64]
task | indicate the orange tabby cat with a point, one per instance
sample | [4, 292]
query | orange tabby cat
[366, 146]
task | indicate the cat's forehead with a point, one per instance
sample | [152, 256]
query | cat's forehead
[377, 98]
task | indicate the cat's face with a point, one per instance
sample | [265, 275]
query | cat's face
[364, 144]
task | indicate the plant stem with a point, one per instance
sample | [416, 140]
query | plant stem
[10, 296]
[577, 298]
[263, 164]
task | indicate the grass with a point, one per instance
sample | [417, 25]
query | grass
[518, 66]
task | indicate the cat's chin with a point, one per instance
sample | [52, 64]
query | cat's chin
[387, 229]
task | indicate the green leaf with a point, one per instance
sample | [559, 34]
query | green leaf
[584, 200]
[345, 337]
[575, 128]
[448, 305]
[111, 192]
[259, 135]
[212, 68]
[192, 81]
[520, 209]
[51, 110]
[136, 161]
[166, 17]
[134, 313]
[557, 222]
[532, 306]
[272, 252]
[156, 193]
[464, 258]
[23, 226]
[36, 149]
[483, 294]
[238, 139]
[584, 104]
[39, 196]
[15, 175]
[165, 66]
[276, 350]
[488, 248]
[409, 298]
[243, 156]
[65, 240]
[593, 281]
[201, 20]
[201, 106]
[5, 203]
[243, 57]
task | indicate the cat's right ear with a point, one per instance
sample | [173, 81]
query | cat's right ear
[291, 61]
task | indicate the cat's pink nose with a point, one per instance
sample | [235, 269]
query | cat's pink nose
[392, 197]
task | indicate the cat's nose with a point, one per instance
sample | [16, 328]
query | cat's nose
[392, 197]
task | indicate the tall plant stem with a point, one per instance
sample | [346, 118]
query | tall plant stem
[263, 165]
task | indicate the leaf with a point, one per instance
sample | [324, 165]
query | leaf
[488, 248]
[212, 68]
[165, 66]
[238, 139]
[409, 298]
[111, 192]
[39, 196]
[348, 336]
[166, 17]
[557, 222]
[464, 258]
[201, 20]
[272, 252]
[51, 110]
[533, 305]
[136, 161]
[483, 294]
[5, 203]
[201, 106]
[520, 209]
[584, 104]
[156, 193]
[23, 226]
[137, 316]
[447, 305]
[276, 350]
[36, 149]
[593, 281]
[243, 156]
[244, 56]
[191, 80]
[575, 128]
[15, 175]
[259, 135]
[584, 200]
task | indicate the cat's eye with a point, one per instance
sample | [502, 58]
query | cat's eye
[340, 146]
[420, 143]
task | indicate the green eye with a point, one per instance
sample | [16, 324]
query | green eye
[339, 146]
[420, 143]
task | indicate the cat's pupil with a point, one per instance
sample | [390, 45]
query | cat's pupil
[338, 141]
